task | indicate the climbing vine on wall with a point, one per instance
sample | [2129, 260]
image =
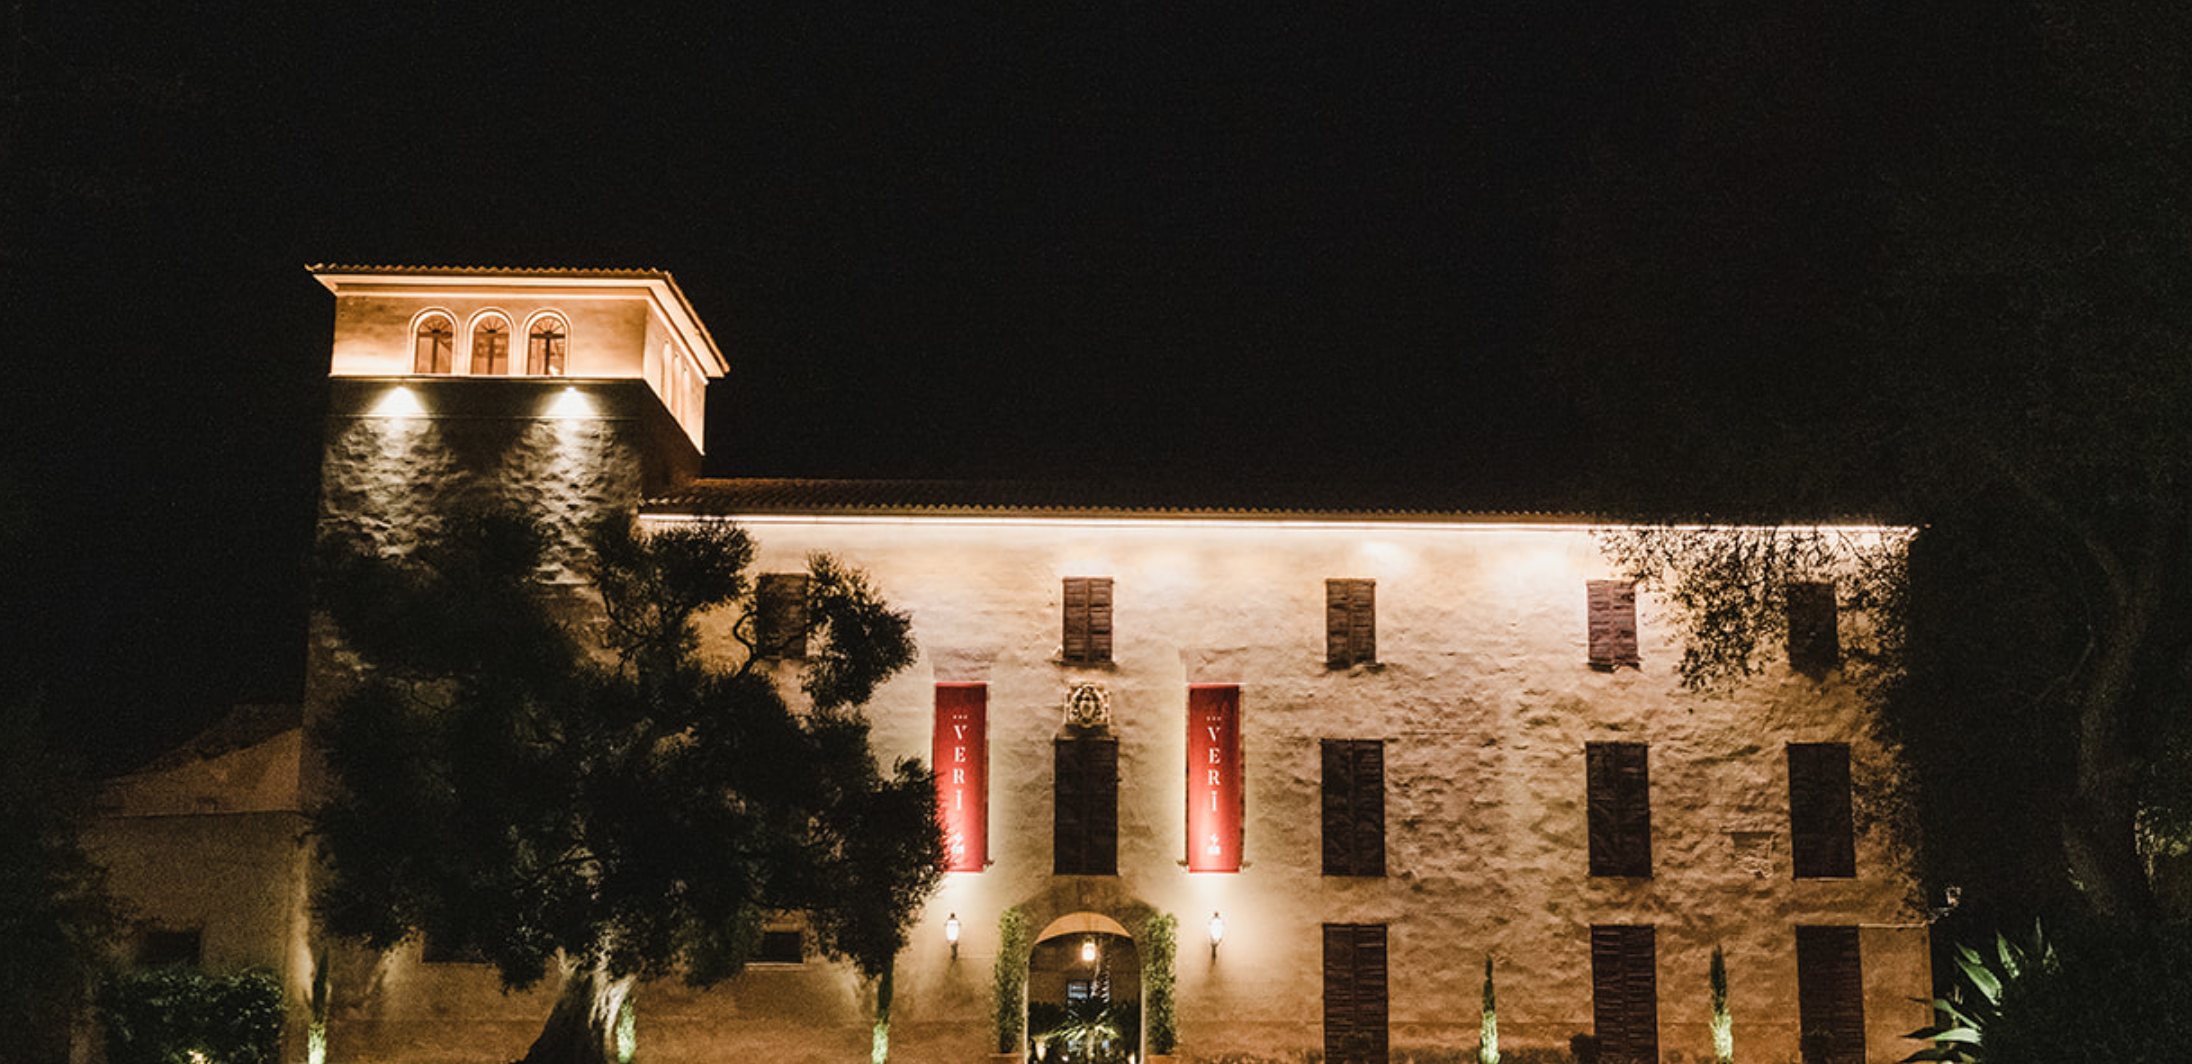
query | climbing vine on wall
[1011, 978]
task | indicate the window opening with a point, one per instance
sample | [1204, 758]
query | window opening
[544, 348]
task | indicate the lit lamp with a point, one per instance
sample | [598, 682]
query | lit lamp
[1217, 933]
[1088, 951]
[951, 934]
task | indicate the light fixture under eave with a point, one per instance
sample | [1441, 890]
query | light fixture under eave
[570, 405]
[1088, 951]
[399, 402]
[1217, 932]
[951, 934]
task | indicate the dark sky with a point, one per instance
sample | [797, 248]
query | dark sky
[1398, 249]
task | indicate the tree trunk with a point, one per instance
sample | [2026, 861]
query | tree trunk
[2100, 826]
[582, 1029]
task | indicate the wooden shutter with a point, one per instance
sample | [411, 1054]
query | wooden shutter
[1822, 827]
[1625, 994]
[1355, 994]
[1830, 995]
[1354, 807]
[1085, 823]
[1087, 619]
[1612, 622]
[1350, 622]
[780, 618]
[1619, 798]
[1815, 644]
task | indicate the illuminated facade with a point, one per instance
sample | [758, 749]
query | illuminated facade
[1369, 749]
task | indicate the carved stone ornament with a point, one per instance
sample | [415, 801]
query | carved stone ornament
[1088, 705]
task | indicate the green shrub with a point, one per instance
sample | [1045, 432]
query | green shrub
[1488, 1024]
[1010, 977]
[182, 1016]
[1160, 941]
[1723, 1024]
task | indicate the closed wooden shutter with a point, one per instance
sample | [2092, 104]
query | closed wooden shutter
[780, 616]
[1625, 994]
[1085, 820]
[1087, 620]
[1619, 799]
[1815, 644]
[1354, 807]
[1355, 994]
[1350, 622]
[1612, 619]
[1822, 825]
[1830, 995]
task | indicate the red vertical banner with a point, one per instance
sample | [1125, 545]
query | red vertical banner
[962, 773]
[1213, 778]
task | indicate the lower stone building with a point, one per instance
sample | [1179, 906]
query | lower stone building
[1349, 756]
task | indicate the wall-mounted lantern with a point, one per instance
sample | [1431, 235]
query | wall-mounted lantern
[1088, 951]
[951, 934]
[1217, 934]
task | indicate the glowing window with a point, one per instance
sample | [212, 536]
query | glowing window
[491, 346]
[544, 346]
[435, 346]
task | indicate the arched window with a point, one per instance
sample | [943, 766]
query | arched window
[491, 345]
[544, 347]
[435, 345]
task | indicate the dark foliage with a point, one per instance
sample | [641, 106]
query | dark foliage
[1994, 353]
[56, 919]
[166, 1015]
[2113, 995]
[519, 782]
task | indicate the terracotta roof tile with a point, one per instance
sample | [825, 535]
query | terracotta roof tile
[959, 498]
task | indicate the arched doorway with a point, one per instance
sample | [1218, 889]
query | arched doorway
[1084, 993]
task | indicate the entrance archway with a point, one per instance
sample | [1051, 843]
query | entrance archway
[1084, 992]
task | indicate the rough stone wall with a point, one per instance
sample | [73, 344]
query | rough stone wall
[395, 481]
[1481, 693]
[238, 878]
[1485, 702]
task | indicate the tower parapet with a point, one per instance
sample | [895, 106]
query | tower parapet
[569, 394]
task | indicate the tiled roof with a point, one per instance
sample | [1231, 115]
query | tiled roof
[729, 497]
[579, 273]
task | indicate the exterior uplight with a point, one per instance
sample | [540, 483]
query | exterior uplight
[951, 934]
[571, 405]
[399, 402]
[1217, 933]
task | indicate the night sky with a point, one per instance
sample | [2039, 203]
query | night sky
[1466, 255]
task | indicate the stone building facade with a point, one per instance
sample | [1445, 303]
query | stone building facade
[1353, 754]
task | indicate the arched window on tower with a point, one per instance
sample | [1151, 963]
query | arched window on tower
[435, 345]
[491, 345]
[544, 347]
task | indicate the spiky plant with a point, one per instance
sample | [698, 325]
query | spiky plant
[1961, 1037]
